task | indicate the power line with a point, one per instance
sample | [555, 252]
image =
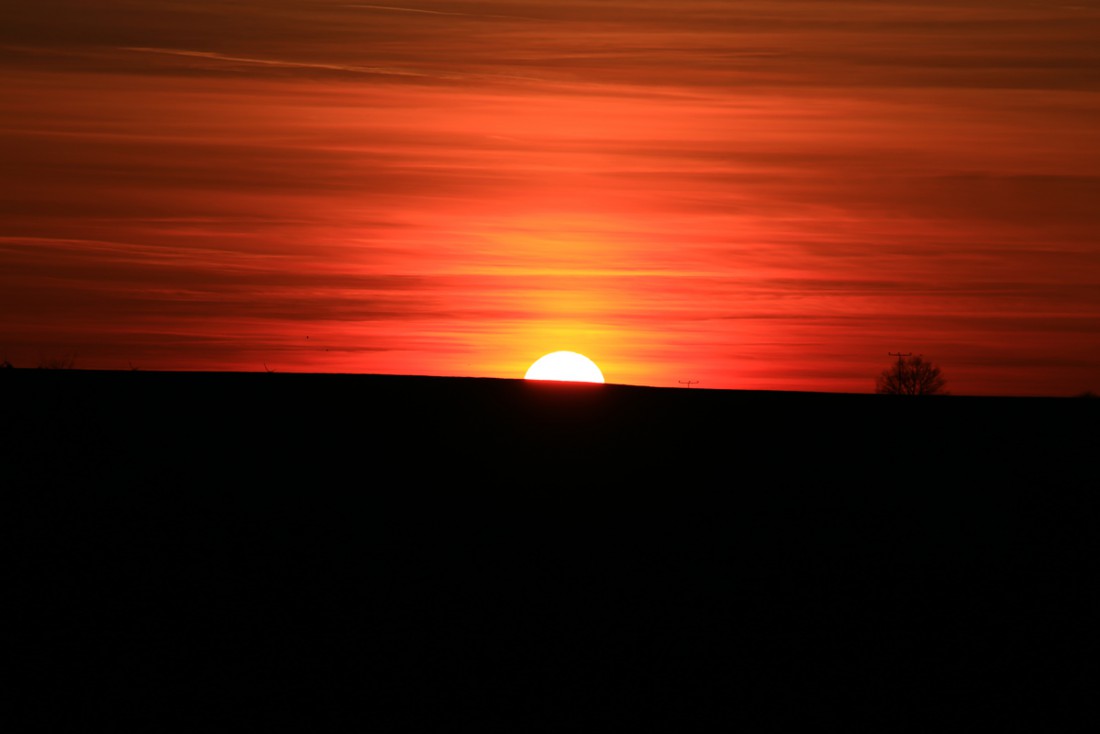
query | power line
[689, 383]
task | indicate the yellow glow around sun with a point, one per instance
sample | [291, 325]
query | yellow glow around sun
[564, 367]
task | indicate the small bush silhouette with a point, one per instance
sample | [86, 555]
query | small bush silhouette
[66, 362]
[911, 375]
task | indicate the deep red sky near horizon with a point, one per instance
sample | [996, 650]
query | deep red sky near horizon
[743, 194]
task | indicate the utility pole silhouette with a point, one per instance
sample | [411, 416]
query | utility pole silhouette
[902, 383]
[689, 383]
[900, 356]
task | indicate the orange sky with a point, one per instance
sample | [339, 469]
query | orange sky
[758, 194]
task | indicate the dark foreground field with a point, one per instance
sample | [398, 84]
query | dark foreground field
[424, 554]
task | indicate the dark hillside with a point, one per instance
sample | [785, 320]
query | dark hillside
[216, 429]
[401, 552]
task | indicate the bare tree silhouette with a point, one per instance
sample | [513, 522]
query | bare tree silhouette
[911, 375]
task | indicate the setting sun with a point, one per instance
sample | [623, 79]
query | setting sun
[564, 367]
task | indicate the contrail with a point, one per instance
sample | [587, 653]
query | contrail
[436, 12]
[405, 10]
[276, 62]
